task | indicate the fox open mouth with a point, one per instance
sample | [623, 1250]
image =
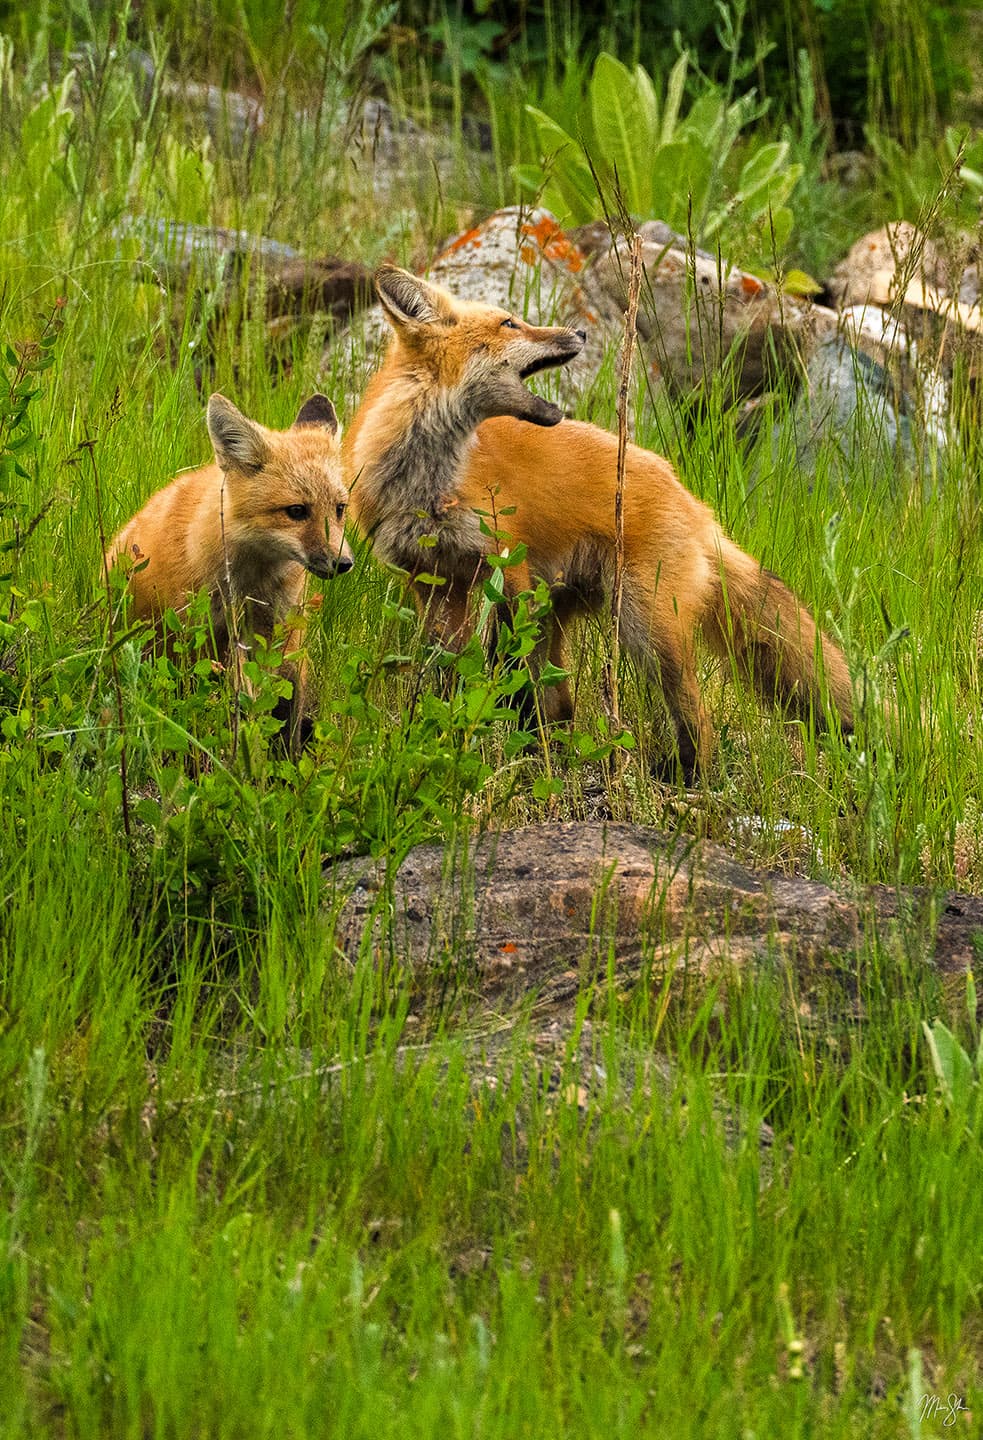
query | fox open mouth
[548, 362]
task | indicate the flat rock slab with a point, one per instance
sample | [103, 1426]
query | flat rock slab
[542, 908]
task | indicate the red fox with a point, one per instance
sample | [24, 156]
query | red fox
[447, 431]
[246, 529]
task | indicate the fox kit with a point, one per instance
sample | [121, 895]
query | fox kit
[447, 429]
[246, 529]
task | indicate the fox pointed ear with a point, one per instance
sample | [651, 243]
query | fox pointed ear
[238, 441]
[407, 300]
[318, 410]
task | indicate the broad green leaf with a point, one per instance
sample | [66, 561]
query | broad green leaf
[567, 170]
[535, 179]
[620, 128]
[551, 674]
[704, 121]
[953, 1067]
[680, 171]
[761, 166]
[674, 96]
[647, 99]
[798, 282]
[530, 177]
[767, 179]
[777, 234]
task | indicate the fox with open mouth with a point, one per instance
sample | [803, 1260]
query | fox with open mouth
[448, 433]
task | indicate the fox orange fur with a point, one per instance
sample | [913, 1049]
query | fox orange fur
[247, 529]
[447, 431]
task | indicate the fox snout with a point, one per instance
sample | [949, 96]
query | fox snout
[326, 564]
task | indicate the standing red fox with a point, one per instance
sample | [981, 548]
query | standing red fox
[246, 529]
[444, 435]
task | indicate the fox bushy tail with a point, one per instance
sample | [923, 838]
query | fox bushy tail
[757, 622]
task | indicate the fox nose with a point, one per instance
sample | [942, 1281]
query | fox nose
[581, 336]
[326, 564]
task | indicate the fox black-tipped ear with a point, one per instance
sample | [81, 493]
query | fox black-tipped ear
[238, 442]
[318, 410]
[406, 299]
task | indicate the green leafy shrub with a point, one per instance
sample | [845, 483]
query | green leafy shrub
[665, 163]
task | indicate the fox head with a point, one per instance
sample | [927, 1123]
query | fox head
[479, 354]
[284, 495]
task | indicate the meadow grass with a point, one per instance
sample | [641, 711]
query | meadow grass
[253, 1186]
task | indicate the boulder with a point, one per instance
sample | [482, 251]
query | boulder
[282, 283]
[866, 394]
[699, 313]
[901, 250]
[936, 293]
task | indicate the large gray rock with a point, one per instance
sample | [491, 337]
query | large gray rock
[699, 313]
[867, 400]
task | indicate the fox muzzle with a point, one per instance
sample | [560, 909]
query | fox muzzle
[325, 566]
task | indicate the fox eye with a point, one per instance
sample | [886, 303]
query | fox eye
[298, 512]
[339, 512]
[509, 324]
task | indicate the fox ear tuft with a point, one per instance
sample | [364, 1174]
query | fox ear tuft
[238, 441]
[406, 299]
[318, 410]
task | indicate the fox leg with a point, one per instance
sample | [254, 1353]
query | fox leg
[555, 702]
[558, 699]
[664, 648]
[694, 733]
[445, 612]
[297, 726]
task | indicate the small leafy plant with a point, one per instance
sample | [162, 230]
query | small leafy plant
[958, 1070]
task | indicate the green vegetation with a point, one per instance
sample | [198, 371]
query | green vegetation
[251, 1185]
[636, 146]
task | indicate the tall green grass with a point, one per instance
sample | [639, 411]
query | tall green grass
[252, 1186]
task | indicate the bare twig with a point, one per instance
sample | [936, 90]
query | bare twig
[624, 389]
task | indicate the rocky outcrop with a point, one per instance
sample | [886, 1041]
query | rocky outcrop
[544, 908]
[699, 313]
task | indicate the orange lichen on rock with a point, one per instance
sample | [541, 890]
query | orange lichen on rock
[553, 243]
[470, 237]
